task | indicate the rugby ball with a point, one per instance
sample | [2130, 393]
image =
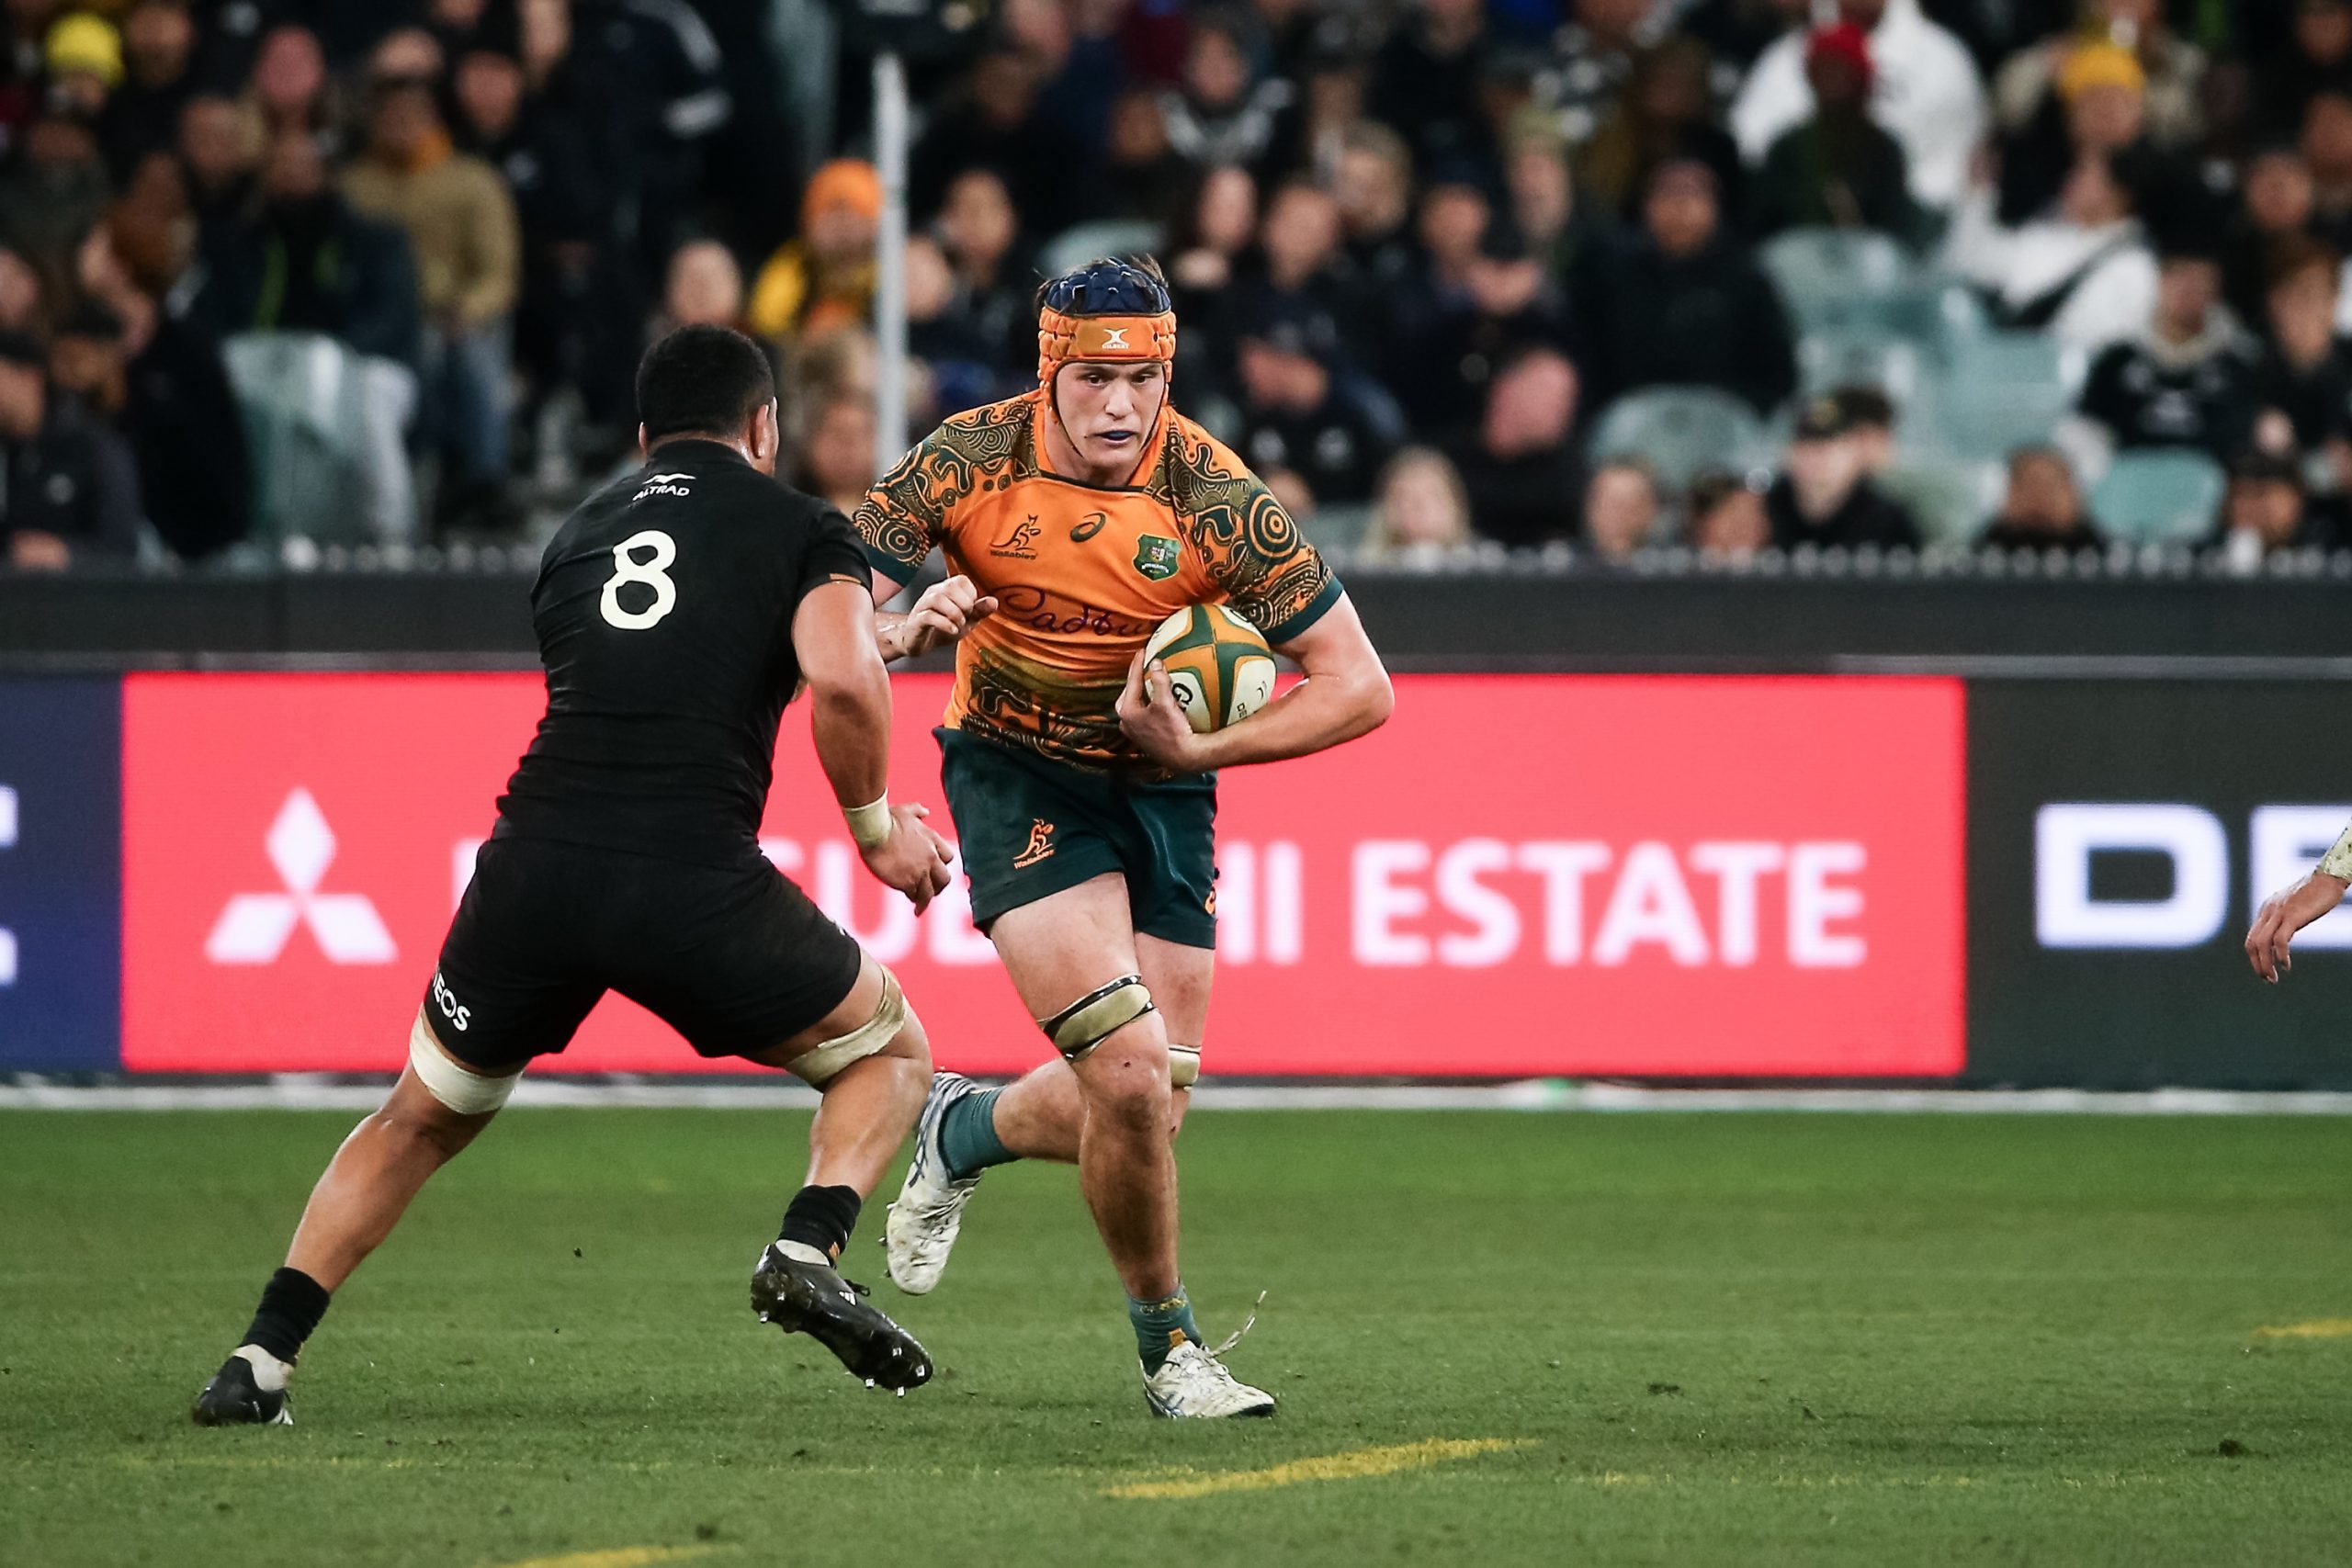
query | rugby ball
[1219, 668]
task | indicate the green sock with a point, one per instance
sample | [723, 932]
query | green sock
[968, 1134]
[1160, 1327]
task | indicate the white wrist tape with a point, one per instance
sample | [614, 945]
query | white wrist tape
[2337, 861]
[869, 824]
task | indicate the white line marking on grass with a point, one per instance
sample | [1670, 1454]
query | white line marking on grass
[313, 1092]
[1328, 1467]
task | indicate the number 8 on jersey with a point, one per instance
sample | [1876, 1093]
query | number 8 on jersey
[654, 572]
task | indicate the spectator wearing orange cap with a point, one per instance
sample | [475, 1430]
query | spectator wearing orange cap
[2099, 104]
[1838, 169]
[823, 277]
[83, 56]
[2028, 89]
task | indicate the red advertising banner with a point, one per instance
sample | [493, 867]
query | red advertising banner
[1671, 877]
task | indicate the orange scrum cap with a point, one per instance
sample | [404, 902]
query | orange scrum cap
[1104, 311]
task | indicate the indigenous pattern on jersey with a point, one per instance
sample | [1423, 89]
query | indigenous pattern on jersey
[1082, 573]
[664, 611]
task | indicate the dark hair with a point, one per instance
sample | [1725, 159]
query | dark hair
[1125, 285]
[702, 380]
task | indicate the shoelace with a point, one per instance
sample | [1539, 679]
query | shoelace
[1234, 1338]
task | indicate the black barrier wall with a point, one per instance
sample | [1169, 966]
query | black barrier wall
[2119, 835]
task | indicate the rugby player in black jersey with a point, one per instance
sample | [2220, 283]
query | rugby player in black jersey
[677, 612]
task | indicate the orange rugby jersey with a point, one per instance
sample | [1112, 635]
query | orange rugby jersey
[1082, 573]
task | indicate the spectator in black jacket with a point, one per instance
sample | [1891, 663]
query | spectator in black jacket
[2187, 380]
[1521, 468]
[2267, 512]
[1681, 304]
[1426, 79]
[2043, 508]
[144, 114]
[68, 490]
[1300, 410]
[179, 411]
[2305, 385]
[218, 146]
[1824, 498]
[308, 262]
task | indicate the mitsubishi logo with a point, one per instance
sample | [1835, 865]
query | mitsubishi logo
[256, 927]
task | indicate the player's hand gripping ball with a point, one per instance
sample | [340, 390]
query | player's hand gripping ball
[1219, 668]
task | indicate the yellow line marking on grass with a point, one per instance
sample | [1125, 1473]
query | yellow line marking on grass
[619, 1557]
[1327, 1467]
[2318, 1328]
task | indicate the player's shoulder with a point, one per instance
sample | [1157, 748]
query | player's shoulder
[992, 433]
[1200, 470]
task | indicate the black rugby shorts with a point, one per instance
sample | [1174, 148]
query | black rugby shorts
[736, 959]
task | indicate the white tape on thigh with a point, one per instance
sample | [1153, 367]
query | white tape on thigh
[1183, 1066]
[467, 1093]
[821, 1065]
[1096, 1016]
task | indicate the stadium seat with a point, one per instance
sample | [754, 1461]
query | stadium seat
[1951, 498]
[2003, 390]
[1680, 431]
[327, 429]
[2160, 497]
[1832, 277]
[1084, 242]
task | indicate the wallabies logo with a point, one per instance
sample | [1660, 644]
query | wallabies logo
[1157, 558]
[1018, 541]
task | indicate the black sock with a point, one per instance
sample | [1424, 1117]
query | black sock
[821, 1217]
[292, 1304]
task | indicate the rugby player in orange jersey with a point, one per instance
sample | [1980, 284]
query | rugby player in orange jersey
[1076, 517]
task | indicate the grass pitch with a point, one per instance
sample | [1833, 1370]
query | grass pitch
[1498, 1339]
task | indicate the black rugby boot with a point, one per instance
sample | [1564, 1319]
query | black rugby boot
[802, 1297]
[235, 1398]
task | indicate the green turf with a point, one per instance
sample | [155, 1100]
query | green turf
[1730, 1340]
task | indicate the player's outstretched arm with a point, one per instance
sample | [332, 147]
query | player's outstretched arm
[848, 693]
[2295, 906]
[1346, 693]
[943, 612]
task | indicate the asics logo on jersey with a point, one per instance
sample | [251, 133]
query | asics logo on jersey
[663, 484]
[1093, 524]
[1041, 844]
[1113, 337]
[256, 927]
[1018, 540]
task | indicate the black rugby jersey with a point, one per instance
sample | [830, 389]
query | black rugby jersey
[664, 611]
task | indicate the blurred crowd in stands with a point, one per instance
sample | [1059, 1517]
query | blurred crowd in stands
[1458, 276]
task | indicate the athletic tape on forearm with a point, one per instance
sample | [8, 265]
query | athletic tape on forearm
[869, 824]
[2337, 861]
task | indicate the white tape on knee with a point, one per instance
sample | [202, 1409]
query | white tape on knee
[823, 1064]
[1183, 1066]
[467, 1093]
